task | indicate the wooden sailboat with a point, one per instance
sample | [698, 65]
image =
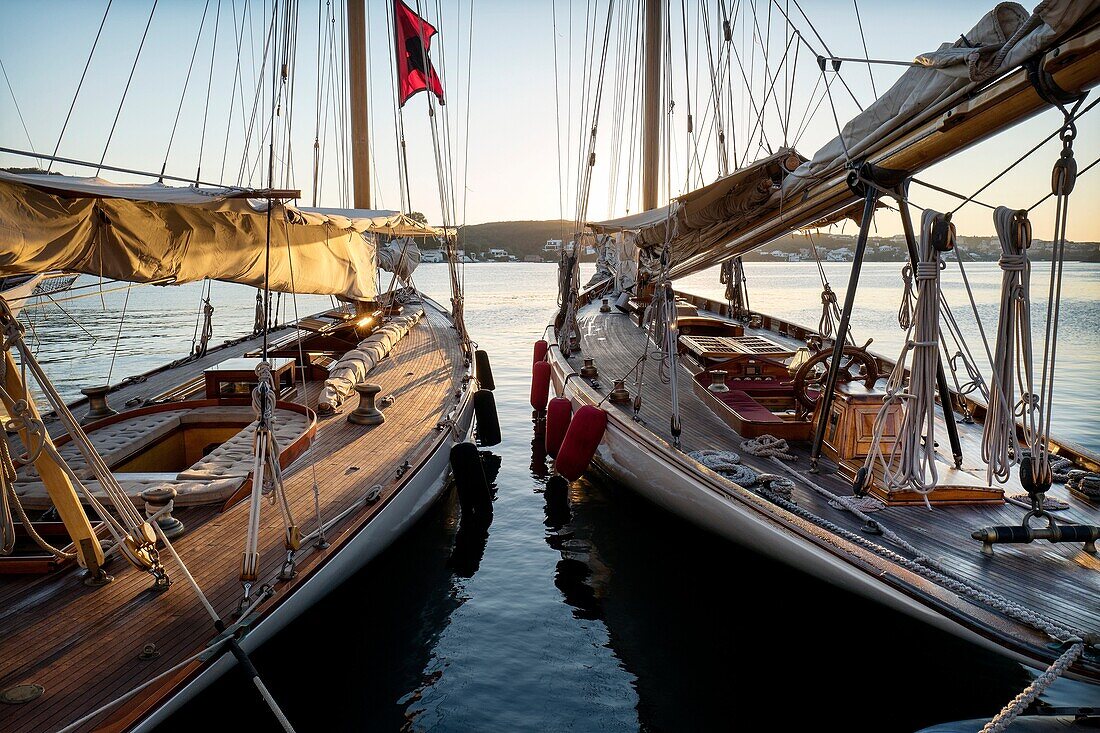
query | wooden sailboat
[148, 550]
[790, 439]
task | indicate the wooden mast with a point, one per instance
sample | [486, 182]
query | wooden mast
[651, 105]
[357, 58]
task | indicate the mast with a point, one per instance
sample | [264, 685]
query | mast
[357, 58]
[651, 105]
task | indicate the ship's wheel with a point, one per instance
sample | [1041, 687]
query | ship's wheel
[856, 365]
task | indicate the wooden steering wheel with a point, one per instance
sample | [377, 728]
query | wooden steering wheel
[856, 365]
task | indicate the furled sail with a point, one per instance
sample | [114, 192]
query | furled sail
[1002, 39]
[157, 233]
[400, 256]
[697, 221]
[733, 215]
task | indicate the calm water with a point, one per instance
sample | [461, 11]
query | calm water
[592, 610]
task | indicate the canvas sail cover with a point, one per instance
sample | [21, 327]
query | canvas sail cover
[401, 256]
[1004, 38]
[156, 233]
[707, 226]
[697, 221]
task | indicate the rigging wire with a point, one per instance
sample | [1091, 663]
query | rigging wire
[186, 82]
[823, 45]
[118, 336]
[209, 85]
[80, 84]
[235, 87]
[17, 110]
[557, 120]
[1074, 115]
[866, 55]
[129, 79]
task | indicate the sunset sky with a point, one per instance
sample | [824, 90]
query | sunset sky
[512, 171]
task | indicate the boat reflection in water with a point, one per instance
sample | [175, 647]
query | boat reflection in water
[473, 533]
[707, 628]
[393, 612]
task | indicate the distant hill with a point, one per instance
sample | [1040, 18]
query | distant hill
[518, 237]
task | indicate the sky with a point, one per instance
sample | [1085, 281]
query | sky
[505, 120]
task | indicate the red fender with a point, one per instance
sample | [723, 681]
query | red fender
[559, 412]
[581, 441]
[540, 385]
[541, 348]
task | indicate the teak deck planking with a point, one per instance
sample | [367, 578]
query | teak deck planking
[82, 644]
[1059, 580]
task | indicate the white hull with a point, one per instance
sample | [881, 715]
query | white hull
[635, 457]
[17, 295]
[401, 513]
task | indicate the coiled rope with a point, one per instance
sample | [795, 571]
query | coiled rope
[908, 300]
[1012, 355]
[826, 326]
[912, 459]
[9, 502]
[727, 464]
[767, 446]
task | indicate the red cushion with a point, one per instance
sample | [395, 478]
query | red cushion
[748, 408]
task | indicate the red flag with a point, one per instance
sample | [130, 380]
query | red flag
[415, 72]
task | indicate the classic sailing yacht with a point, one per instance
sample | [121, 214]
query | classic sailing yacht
[956, 507]
[148, 550]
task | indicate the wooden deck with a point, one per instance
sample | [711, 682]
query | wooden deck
[82, 644]
[1058, 580]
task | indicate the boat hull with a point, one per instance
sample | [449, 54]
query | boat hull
[635, 457]
[405, 509]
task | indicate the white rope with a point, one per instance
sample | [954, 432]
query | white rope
[267, 477]
[1012, 359]
[768, 446]
[1010, 712]
[129, 524]
[912, 459]
[186, 573]
[275, 709]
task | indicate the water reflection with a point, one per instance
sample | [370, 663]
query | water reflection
[558, 513]
[709, 629]
[581, 607]
[473, 530]
[387, 621]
